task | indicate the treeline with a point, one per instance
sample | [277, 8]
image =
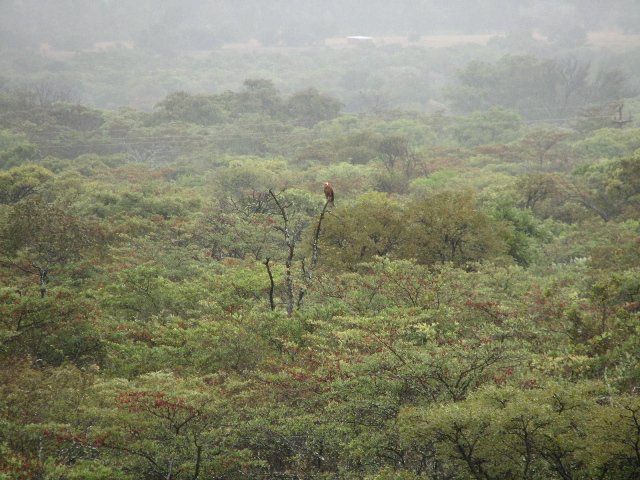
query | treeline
[540, 88]
[531, 76]
[259, 97]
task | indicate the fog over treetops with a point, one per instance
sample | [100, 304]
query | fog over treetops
[156, 47]
[73, 25]
[319, 240]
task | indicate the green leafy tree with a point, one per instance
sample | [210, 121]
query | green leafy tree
[491, 126]
[39, 237]
[309, 107]
[359, 231]
[160, 426]
[20, 182]
[449, 227]
[17, 155]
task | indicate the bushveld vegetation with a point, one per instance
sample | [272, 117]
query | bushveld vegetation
[179, 301]
[472, 310]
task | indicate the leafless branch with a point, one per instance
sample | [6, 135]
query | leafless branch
[271, 284]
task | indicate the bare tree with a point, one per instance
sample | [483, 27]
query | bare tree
[290, 240]
[307, 271]
[619, 121]
[291, 236]
[47, 92]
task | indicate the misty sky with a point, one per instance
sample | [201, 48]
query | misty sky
[77, 24]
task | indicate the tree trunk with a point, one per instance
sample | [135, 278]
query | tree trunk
[43, 279]
[291, 245]
[308, 272]
[272, 287]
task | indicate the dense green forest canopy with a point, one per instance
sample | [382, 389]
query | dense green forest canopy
[472, 310]
[179, 300]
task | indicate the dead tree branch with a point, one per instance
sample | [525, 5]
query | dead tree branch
[291, 246]
[271, 284]
[307, 273]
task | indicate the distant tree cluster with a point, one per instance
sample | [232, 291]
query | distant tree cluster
[538, 88]
[259, 97]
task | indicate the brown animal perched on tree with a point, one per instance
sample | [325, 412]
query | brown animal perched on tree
[328, 192]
